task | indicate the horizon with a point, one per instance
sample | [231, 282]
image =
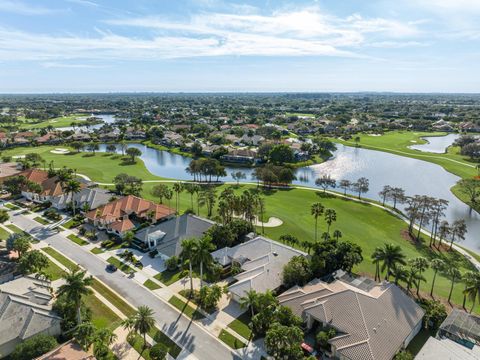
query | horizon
[216, 46]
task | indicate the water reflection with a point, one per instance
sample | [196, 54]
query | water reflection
[436, 144]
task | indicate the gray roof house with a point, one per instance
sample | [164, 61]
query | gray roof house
[94, 197]
[167, 236]
[373, 321]
[25, 311]
[262, 261]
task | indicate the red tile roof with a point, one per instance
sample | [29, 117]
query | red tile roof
[122, 225]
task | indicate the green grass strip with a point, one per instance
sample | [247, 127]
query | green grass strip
[113, 298]
[185, 308]
[97, 250]
[41, 220]
[60, 258]
[231, 340]
[240, 325]
[152, 285]
[77, 240]
[120, 265]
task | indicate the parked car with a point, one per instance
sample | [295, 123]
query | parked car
[111, 268]
[308, 350]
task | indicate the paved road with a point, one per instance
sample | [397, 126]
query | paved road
[186, 333]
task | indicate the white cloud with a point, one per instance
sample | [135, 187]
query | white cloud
[19, 7]
[84, 3]
[53, 64]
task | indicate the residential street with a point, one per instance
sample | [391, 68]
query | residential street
[186, 333]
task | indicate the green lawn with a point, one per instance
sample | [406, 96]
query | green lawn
[231, 340]
[120, 265]
[113, 298]
[240, 325]
[77, 240]
[11, 206]
[41, 220]
[168, 277]
[138, 344]
[68, 224]
[102, 315]
[100, 167]
[60, 258]
[97, 250]
[160, 337]
[185, 308]
[4, 234]
[62, 121]
[15, 229]
[53, 271]
[151, 285]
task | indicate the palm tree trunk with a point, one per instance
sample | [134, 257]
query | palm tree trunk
[473, 305]
[191, 275]
[451, 289]
[433, 283]
[316, 221]
[201, 274]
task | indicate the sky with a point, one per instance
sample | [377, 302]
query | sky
[239, 46]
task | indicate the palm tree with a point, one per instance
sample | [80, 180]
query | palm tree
[129, 324]
[459, 229]
[102, 341]
[337, 234]
[249, 301]
[468, 278]
[376, 258]
[261, 211]
[190, 188]
[330, 217]
[454, 275]
[189, 248]
[414, 276]
[76, 286]
[420, 264]
[399, 272]
[202, 254]
[85, 334]
[437, 265]
[472, 290]
[443, 232]
[317, 210]
[143, 322]
[72, 187]
[391, 256]
[307, 245]
[177, 188]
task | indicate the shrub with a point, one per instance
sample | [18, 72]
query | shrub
[172, 263]
[52, 214]
[153, 253]
[34, 347]
[158, 352]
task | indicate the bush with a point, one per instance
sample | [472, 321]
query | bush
[153, 253]
[34, 347]
[52, 214]
[172, 263]
[158, 352]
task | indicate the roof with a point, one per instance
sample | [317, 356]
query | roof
[261, 259]
[462, 325]
[170, 233]
[50, 186]
[71, 350]
[8, 169]
[122, 225]
[371, 324]
[130, 205]
[20, 316]
[446, 349]
[94, 197]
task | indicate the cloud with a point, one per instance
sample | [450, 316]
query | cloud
[300, 32]
[19, 7]
[70, 65]
[84, 3]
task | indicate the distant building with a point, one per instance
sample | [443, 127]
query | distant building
[90, 198]
[25, 311]
[373, 321]
[168, 235]
[262, 261]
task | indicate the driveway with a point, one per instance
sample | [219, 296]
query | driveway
[185, 332]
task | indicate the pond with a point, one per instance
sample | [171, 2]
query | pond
[415, 176]
[436, 144]
[107, 119]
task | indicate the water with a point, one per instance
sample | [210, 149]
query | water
[107, 119]
[416, 177]
[436, 144]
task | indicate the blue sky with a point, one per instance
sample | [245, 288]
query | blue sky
[216, 45]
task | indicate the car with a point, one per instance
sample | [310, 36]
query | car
[111, 268]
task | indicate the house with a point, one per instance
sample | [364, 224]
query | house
[168, 235]
[90, 198]
[9, 169]
[118, 216]
[373, 321]
[262, 261]
[49, 138]
[3, 138]
[135, 134]
[254, 140]
[243, 156]
[71, 350]
[25, 311]
[171, 138]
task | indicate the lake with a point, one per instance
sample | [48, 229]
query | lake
[436, 144]
[417, 177]
[107, 119]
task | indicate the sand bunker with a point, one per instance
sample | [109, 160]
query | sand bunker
[61, 151]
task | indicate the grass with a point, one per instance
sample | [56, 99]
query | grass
[4, 234]
[102, 315]
[138, 344]
[15, 229]
[41, 220]
[57, 122]
[113, 298]
[11, 206]
[69, 224]
[60, 258]
[120, 265]
[151, 285]
[53, 271]
[185, 308]
[160, 337]
[77, 240]
[240, 325]
[99, 167]
[231, 340]
[168, 277]
[97, 250]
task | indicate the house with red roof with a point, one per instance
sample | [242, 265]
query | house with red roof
[121, 215]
